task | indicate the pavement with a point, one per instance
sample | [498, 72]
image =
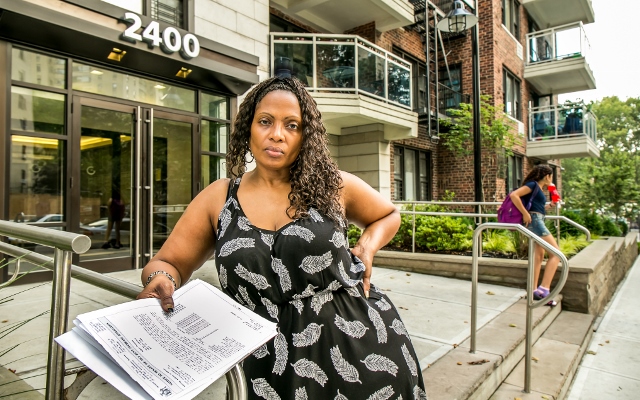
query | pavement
[610, 368]
[435, 310]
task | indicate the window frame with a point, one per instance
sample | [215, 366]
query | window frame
[512, 21]
[515, 172]
[511, 80]
[418, 79]
[401, 178]
[99, 6]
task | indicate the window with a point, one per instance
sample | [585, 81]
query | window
[170, 11]
[214, 133]
[511, 90]
[450, 93]
[277, 24]
[418, 80]
[412, 174]
[511, 17]
[514, 173]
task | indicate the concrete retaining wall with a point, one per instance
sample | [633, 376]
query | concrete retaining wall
[594, 273]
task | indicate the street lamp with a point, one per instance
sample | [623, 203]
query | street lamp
[458, 20]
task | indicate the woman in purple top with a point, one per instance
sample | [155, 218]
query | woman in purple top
[533, 219]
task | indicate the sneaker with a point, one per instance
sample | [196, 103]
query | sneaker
[540, 293]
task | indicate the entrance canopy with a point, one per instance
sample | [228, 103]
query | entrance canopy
[229, 71]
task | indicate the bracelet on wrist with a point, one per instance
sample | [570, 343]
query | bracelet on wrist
[165, 273]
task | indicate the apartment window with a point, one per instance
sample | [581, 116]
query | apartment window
[412, 174]
[418, 80]
[511, 17]
[450, 93]
[512, 97]
[514, 172]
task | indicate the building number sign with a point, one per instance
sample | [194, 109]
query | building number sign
[169, 40]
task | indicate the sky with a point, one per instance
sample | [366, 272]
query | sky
[615, 53]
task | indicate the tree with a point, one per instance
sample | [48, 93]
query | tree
[609, 184]
[495, 131]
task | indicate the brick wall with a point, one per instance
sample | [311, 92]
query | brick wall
[498, 50]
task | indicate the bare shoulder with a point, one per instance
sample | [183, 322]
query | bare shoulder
[213, 197]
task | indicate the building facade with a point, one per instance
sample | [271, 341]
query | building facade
[124, 107]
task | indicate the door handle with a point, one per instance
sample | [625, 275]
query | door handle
[147, 187]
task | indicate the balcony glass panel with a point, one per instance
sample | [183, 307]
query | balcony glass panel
[561, 121]
[336, 65]
[298, 58]
[558, 43]
[399, 84]
[329, 63]
[371, 69]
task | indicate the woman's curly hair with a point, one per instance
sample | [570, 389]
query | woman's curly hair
[315, 178]
[537, 173]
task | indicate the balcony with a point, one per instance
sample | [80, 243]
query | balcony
[562, 131]
[555, 13]
[556, 60]
[342, 15]
[353, 81]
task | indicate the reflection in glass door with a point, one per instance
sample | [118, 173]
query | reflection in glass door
[170, 174]
[105, 183]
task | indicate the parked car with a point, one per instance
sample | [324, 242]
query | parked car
[33, 219]
[97, 230]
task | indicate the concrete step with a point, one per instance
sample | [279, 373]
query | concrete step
[556, 356]
[12, 387]
[501, 342]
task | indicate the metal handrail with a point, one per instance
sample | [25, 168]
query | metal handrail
[63, 271]
[531, 304]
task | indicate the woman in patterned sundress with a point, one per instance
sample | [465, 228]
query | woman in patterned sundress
[278, 233]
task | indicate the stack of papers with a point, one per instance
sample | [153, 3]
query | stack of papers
[149, 354]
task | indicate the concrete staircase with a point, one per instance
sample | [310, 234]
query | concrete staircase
[496, 370]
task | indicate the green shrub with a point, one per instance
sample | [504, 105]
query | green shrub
[623, 227]
[353, 234]
[609, 228]
[570, 230]
[593, 222]
[444, 234]
[498, 241]
[571, 245]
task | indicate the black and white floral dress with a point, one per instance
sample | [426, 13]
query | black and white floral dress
[332, 342]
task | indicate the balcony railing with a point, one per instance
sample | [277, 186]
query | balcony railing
[449, 98]
[558, 43]
[561, 121]
[343, 64]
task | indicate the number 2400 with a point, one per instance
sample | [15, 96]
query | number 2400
[170, 41]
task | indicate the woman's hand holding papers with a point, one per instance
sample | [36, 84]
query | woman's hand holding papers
[160, 285]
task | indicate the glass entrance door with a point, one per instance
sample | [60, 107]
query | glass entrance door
[134, 172]
[169, 178]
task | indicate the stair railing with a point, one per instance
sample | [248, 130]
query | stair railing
[64, 244]
[531, 304]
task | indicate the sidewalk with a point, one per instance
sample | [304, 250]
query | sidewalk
[611, 367]
[435, 310]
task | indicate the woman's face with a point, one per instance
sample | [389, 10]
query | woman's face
[276, 130]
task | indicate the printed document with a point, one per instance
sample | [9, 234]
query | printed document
[149, 354]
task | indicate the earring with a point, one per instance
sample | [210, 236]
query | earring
[252, 158]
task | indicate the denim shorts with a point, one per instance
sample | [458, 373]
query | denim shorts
[537, 225]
